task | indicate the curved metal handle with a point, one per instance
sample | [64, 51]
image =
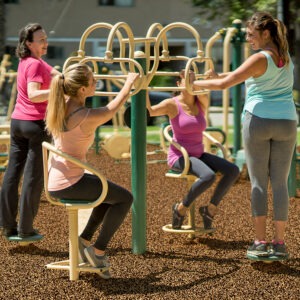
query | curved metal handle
[180, 148]
[133, 65]
[48, 147]
[189, 67]
[87, 32]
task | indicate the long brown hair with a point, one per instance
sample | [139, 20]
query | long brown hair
[264, 21]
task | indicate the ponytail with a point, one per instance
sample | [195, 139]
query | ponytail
[56, 108]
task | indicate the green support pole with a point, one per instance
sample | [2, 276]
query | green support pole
[96, 103]
[237, 42]
[138, 167]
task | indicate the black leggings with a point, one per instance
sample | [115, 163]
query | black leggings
[25, 158]
[205, 168]
[110, 213]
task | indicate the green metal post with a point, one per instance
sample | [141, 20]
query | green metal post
[138, 167]
[96, 103]
[237, 42]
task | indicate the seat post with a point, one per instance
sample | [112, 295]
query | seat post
[191, 212]
[73, 243]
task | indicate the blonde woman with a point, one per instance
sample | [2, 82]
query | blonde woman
[73, 126]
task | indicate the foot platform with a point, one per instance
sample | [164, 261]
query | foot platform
[188, 230]
[25, 241]
[267, 259]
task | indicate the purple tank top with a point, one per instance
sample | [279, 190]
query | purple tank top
[187, 131]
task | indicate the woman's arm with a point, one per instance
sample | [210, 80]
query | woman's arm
[101, 115]
[254, 66]
[166, 107]
[35, 94]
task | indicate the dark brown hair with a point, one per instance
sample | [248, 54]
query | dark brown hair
[26, 34]
[264, 21]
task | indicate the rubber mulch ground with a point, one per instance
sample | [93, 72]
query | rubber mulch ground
[210, 267]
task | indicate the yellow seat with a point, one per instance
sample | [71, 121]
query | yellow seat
[72, 206]
[191, 229]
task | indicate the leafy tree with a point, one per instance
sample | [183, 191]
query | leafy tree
[228, 10]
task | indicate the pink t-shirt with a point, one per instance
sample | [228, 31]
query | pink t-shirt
[31, 69]
[74, 142]
[188, 132]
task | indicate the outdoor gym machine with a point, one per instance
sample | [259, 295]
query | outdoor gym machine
[145, 62]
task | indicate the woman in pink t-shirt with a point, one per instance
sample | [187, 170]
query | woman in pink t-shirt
[27, 134]
[187, 117]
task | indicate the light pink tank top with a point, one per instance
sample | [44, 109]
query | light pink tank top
[63, 174]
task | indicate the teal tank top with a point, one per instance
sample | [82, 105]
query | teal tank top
[270, 95]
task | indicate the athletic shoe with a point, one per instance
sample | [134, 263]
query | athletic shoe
[7, 232]
[279, 249]
[207, 218]
[24, 235]
[177, 219]
[98, 262]
[81, 247]
[258, 249]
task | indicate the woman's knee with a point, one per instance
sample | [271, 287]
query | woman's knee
[209, 178]
[234, 172]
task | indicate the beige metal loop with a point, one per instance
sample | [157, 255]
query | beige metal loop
[208, 62]
[130, 41]
[88, 31]
[165, 55]
[133, 65]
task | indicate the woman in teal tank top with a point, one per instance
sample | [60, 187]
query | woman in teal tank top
[269, 126]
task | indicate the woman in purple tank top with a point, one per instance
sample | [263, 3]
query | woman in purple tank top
[186, 113]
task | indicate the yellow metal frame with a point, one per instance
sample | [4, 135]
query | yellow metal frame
[72, 264]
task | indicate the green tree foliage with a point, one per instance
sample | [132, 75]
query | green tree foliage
[228, 10]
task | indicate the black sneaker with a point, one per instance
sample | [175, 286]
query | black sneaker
[24, 235]
[177, 219]
[98, 262]
[259, 249]
[207, 218]
[7, 232]
[279, 250]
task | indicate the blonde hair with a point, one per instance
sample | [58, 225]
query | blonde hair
[264, 21]
[68, 83]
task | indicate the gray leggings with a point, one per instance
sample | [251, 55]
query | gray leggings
[269, 146]
[205, 168]
[110, 213]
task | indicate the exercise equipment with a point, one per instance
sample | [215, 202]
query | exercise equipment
[25, 241]
[191, 229]
[266, 259]
[141, 54]
[72, 206]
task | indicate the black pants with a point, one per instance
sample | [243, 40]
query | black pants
[109, 214]
[25, 157]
